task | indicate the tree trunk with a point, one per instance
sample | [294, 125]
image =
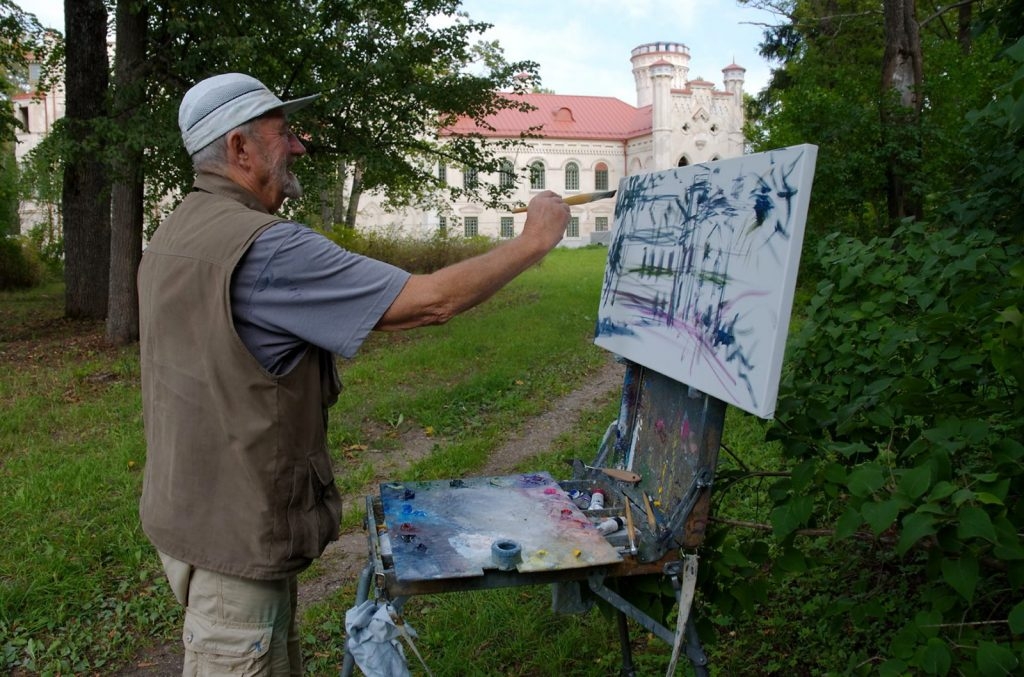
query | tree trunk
[341, 175]
[963, 26]
[353, 196]
[127, 192]
[902, 74]
[85, 193]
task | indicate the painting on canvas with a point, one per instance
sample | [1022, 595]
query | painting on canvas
[701, 272]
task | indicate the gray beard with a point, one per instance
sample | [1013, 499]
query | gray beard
[292, 187]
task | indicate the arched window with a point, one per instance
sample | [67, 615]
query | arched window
[683, 162]
[469, 178]
[442, 172]
[572, 176]
[537, 176]
[601, 176]
[506, 175]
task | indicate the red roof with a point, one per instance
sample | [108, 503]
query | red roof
[563, 116]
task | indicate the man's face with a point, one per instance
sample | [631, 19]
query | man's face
[276, 149]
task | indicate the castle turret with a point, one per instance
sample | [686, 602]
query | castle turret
[732, 76]
[676, 54]
[661, 73]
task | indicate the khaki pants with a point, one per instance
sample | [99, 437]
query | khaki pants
[236, 626]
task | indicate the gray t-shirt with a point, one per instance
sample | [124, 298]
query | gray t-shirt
[294, 287]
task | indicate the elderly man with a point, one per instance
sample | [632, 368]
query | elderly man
[241, 315]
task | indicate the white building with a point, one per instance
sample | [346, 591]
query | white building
[588, 143]
[36, 111]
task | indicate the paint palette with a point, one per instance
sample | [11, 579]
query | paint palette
[448, 528]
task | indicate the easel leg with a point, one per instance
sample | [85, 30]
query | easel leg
[627, 651]
[695, 651]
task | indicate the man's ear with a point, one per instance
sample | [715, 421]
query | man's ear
[238, 148]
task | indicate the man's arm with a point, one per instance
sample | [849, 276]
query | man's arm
[440, 296]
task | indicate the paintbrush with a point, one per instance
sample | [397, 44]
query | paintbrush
[650, 512]
[580, 199]
[614, 473]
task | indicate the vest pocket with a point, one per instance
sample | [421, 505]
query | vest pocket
[316, 507]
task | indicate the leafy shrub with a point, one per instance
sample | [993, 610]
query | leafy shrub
[903, 417]
[20, 268]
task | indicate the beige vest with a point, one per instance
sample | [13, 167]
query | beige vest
[238, 478]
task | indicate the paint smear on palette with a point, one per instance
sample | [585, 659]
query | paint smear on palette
[446, 528]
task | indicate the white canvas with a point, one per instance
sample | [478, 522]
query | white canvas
[701, 272]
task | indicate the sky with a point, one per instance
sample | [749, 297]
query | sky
[583, 46]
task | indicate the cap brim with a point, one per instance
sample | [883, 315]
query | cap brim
[289, 107]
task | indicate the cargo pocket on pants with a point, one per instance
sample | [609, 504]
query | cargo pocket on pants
[225, 648]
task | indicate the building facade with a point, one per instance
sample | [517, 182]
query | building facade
[36, 110]
[589, 143]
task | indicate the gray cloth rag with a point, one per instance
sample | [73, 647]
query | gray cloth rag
[373, 640]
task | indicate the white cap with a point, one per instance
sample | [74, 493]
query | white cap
[215, 106]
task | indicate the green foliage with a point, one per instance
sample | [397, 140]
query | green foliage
[20, 268]
[902, 419]
[10, 221]
[826, 91]
[995, 191]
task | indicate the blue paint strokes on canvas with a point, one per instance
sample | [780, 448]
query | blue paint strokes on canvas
[691, 248]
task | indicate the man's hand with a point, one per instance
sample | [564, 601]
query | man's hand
[546, 218]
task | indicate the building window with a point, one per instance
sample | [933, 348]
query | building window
[572, 176]
[23, 116]
[683, 162]
[573, 229]
[537, 176]
[442, 224]
[507, 227]
[470, 179]
[601, 223]
[472, 226]
[601, 176]
[442, 173]
[506, 175]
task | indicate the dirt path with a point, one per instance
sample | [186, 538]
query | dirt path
[345, 558]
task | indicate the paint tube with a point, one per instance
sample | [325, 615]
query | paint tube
[580, 498]
[597, 500]
[610, 525]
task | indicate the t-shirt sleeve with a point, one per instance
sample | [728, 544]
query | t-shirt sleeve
[295, 287]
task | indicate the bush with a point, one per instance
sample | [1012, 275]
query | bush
[903, 417]
[416, 255]
[20, 268]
